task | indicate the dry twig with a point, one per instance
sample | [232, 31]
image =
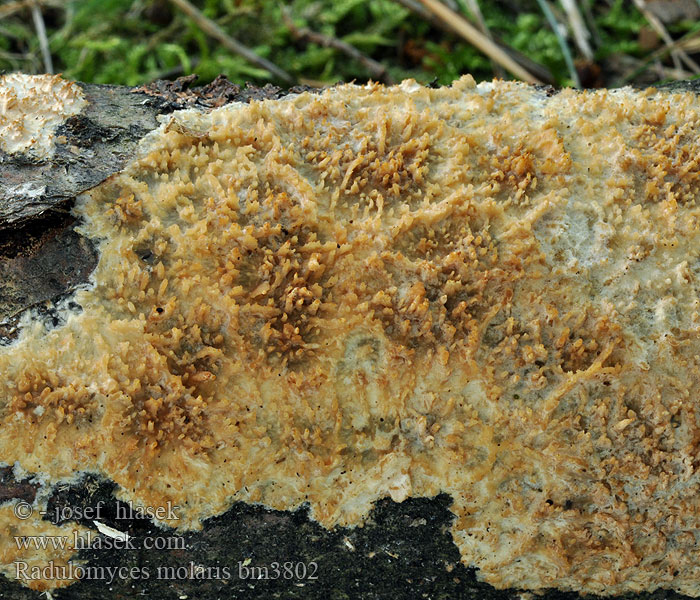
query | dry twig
[471, 34]
[213, 30]
[377, 69]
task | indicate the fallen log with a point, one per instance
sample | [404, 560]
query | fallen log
[476, 300]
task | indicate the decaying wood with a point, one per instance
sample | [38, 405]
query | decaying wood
[403, 552]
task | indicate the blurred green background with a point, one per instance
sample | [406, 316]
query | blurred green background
[574, 42]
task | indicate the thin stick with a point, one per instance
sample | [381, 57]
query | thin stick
[562, 42]
[578, 26]
[43, 40]
[470, 33]
[377, 69]
[213, 30]
[677, 54]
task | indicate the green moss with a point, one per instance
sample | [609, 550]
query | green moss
[135, 41]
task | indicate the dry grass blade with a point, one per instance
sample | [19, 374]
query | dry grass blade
[12, 7]
[535, 69]
[377, 69]
[43, 40]
[471, 34]
[689, 42]
[416, 7]
[562, 42]
[475, 10]
[677, 53]
[213, 30]
[590, 21]
[691, 45]
[578, 26]
[669, 73]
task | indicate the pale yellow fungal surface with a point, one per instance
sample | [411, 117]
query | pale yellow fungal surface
[31, 108]
[371, 292]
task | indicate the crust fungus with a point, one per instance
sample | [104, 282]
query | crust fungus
[31, 108]
[398, 291]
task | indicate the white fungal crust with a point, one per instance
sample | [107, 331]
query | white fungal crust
[398, 292]
[31, 108]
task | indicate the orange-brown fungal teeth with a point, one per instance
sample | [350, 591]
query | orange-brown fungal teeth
[370, 292]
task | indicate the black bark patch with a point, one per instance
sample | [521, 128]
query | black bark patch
[83, 132]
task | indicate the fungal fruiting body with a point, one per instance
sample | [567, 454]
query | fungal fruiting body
[397, 291]
[31, 108]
